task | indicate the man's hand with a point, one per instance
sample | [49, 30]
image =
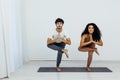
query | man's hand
[58, 39]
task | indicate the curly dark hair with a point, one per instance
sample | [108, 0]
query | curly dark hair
[96, 34]
[59, 20]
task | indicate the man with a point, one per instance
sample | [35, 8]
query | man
[58, 40]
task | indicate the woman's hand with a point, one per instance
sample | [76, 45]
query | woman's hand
[100, 43]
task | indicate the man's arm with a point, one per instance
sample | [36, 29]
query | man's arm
[67, 41]
[49, 41]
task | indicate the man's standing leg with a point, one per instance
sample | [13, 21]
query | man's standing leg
[59, 56]
[60, 47]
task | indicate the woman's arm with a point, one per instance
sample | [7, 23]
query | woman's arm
[82, 41]
[100, 42]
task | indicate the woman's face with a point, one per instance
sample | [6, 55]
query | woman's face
[90, 29]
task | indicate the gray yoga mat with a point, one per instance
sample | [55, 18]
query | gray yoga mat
[74, 69]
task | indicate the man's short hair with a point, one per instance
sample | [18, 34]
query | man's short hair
[59, 20]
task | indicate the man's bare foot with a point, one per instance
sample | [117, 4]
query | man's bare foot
[66, 52]
[96, 51]
[58, 69]
[88, 69]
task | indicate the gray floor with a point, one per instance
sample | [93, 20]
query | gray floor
[29, 71]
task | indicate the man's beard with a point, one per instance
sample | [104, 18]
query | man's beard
[59, 27]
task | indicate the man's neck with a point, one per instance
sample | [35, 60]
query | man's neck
[59, 30]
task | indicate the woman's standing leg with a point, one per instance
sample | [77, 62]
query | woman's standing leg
[90, 55]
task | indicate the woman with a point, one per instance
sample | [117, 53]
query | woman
[90, 37]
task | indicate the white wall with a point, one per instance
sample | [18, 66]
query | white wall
[39, 17]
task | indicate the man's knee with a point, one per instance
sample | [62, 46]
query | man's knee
[48, 45]
[63, 45]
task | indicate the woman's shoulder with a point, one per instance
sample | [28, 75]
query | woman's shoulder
[84, 35]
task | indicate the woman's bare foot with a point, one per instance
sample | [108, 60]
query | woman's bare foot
[66, 52]
[96, 51]
[58, 69]
[88, 69]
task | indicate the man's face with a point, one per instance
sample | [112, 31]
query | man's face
[59, 25]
